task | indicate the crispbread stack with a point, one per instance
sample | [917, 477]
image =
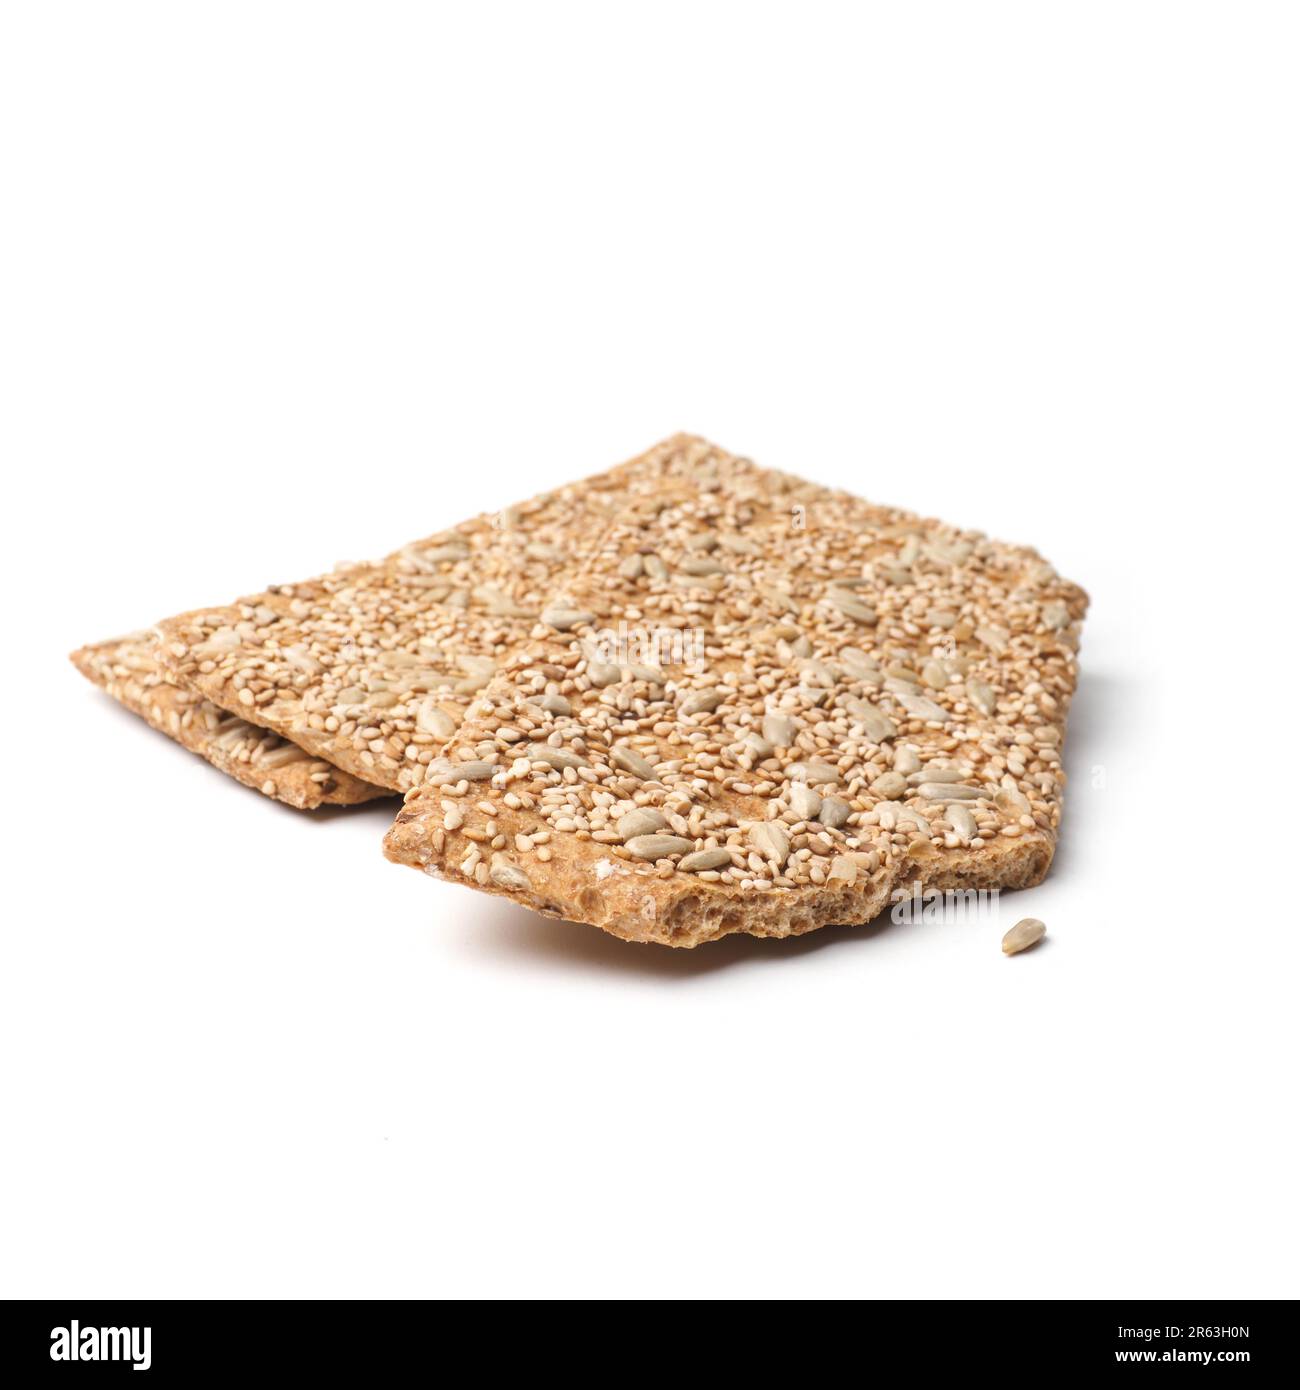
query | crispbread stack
[129, 670]
[683, 698]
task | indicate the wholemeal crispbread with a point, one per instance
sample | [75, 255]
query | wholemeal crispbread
[460, 593]
[128, 669]
[372, 668]
[852, 701]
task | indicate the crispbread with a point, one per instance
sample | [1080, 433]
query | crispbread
[129, 670]
[852, 702]
[372, 667]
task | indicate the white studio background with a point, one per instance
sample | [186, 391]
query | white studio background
[283, 285]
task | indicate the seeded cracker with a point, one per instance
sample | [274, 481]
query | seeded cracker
[372, 667]
[860, 701]
[129, 670]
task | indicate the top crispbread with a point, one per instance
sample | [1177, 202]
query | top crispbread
[849, 699]
[372, 667]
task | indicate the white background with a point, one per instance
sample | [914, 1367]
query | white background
[286, 285]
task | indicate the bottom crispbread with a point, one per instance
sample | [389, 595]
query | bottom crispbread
[127, 668]
[770, 710]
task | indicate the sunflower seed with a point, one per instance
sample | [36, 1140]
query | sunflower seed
[771, 841]
[1029, 931]
[499, 604]
[961, 821]
[889, 785]
[564, 619]
[817, 674]
[658, 846]
[843, 870]
[1009, 800]
[935, 774]
[507, 875]
[601, 674]
[1056, 616]
[430, 719]
[655, 567]
[935, 674]
[556, 757]
[907, 761]
[699, 565]
[858, 664]
[877, 725]
[921, 707]
[835, 812]
[738, 545]
[813, 772]
[477, 770]
[633, 567]
[553, 704]
[781, 599]
[996, 639]
[643, 821]
[982, 696]
[804, 802]
[853, 607]
[539, 550]
[704, 859]
[890, 814]
[701, 702]
[629, 760]
[779, 729]
[445, 554]
[757, 746]
[948, 791]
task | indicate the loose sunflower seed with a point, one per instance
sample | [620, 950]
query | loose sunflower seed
[1029, 931]
[553, 704]
[658, 846]
[704, 859]
[804, 802]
